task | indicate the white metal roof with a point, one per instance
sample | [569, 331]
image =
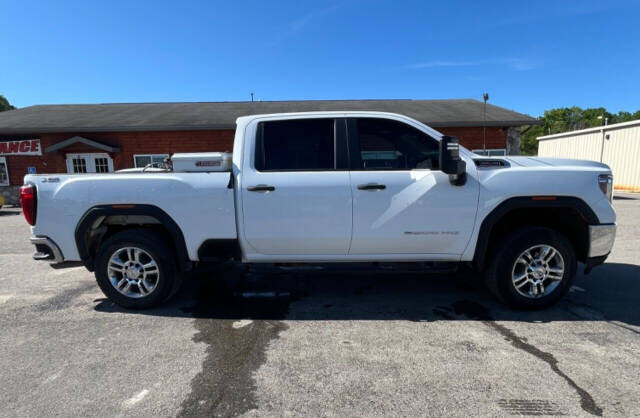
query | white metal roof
[588, 130]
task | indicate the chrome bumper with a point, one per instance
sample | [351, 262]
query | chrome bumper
[53, 253]
[601, 239]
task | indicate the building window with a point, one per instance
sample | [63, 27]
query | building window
[495, 152]
[4, 173]
[89, 163]
[102, 165]
[143, 160]
[79, 165]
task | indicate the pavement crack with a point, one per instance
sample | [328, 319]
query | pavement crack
[474, 310]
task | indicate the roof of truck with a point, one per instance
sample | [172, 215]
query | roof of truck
[112, 117]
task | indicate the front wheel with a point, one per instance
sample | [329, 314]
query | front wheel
[532, 268]
[136, 269]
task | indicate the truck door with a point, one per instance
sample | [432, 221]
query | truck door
[296, 195]
[402, 203]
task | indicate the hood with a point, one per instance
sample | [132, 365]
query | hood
[553, 162]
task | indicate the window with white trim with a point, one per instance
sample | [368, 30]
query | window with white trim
[494, 152]
[102, 165]
[89, 163]
[4, 173]
[143, 160]
[79, 165]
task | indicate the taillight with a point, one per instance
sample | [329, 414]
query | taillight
[28, 202]
[605, 181]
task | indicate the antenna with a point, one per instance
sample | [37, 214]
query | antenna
[485, 97]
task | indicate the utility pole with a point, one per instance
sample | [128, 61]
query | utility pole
[604, 134]
[485, 97]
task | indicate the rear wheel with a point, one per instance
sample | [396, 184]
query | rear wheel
[532, 268]
[136, 269]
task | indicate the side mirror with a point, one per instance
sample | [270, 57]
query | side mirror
[450, 161]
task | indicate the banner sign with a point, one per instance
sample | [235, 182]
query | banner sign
[21, 147]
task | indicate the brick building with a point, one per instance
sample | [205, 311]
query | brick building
[108, 137]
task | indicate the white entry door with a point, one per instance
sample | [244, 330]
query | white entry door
[89, 163]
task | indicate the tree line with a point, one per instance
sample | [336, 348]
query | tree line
[4, 104]
[566, 119]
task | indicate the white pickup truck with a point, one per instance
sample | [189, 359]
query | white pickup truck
[327, 187]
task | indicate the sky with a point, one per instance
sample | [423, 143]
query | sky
[528, 55]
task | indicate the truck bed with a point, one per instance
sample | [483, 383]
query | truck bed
[200, 203]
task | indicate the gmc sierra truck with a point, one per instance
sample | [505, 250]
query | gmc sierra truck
[329, 187]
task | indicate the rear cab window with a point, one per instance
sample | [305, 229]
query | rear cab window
[296, 145]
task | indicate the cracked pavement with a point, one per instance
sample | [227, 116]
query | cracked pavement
[259, 342]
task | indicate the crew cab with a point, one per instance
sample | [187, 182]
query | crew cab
[330, 187]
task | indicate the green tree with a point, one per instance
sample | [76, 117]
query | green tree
[624, 117]
[4, 104]
[621, 117]
[528, 141]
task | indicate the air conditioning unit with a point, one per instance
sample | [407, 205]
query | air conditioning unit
[203, 161]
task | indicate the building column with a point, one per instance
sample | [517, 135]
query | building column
[513, 140]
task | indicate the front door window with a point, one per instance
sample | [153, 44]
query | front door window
[391, 145]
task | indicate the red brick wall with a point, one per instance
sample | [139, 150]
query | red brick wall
[471, 137]
[130, 143]
[17, 166]
[169, 142]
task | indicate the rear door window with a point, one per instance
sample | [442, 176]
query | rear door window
[296, 145]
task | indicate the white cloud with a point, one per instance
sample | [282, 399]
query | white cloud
[517, 64]
[300, 23]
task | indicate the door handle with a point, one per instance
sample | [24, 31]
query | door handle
[261, 188]
[371, 186]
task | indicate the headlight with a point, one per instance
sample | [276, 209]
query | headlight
[605, 182]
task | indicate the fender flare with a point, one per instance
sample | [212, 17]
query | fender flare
[526, 202]
[96, 212]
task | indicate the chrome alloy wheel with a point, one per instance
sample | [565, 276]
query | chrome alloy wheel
[538, 271]
[133, 272]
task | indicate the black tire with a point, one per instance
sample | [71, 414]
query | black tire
[155, 245]
[499, 274]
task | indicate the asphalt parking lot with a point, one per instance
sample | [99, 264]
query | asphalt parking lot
[317, 343]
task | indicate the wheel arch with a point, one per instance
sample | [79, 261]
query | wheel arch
[545, 211]
[90, 230]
